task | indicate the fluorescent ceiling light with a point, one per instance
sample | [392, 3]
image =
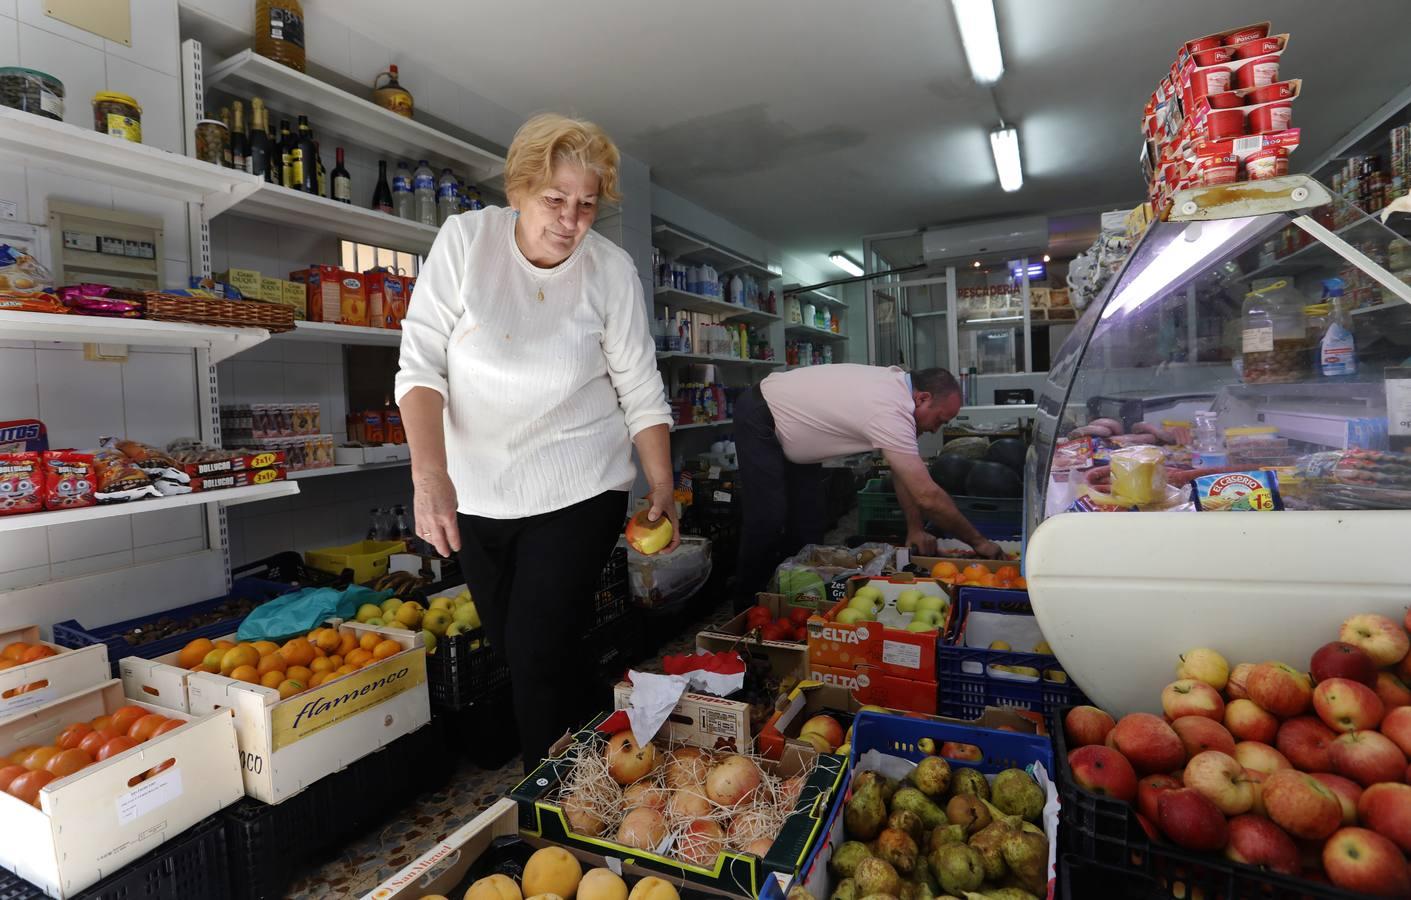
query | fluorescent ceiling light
[845, 262]
[1004, 144]
[1199, 244]
[980, 35]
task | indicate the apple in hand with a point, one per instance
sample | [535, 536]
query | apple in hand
[1379, 637]
[1247, 722]
[1256, 841]
[1238, 686]
[1307, 743]
[1348, 794]
[1339, 659]
[1347, 705]
[1357, 859]
[1084, 725]
[1301, 804]
[1392, 691]
[1149, 744]
[1259, 757]
[1149, 790]
[1367, 757]
[646, 537]
[1386, 809]
[1189, 697]
[1103, 771]
[1279, 688]
[1199, 734]
[1190, 820]
[1221, 779]
[1204, 664]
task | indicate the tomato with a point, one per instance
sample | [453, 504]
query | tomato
[68, 762]
[168, 725]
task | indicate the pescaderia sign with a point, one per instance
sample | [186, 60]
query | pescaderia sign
[299, 717]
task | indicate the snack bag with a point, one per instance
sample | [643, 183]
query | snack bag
[21, 483]
[99, 300]
[1256, 491]
[23, 434]
[40, 303]
[119, 479]
[70, 479]
[157, 464]
[21, 273]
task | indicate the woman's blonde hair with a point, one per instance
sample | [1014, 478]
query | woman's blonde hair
[549, 139]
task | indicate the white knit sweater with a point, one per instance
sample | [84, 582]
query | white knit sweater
[543, 395]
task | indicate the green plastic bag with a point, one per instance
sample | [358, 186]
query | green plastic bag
[304, 610]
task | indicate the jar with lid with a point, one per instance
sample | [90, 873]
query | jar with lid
[1273, 335]
[32, 91]
[212, 141]
[117, 115]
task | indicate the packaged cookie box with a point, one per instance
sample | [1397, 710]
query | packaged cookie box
[84, 826]
[333, 295]
[235, 461]
[51, 672]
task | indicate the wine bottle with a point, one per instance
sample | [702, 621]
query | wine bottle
[227, 155]
[239, 141]
[303, 168]
[381, 193]
[342, 181]
[321, 173]
[260, 151]
[286, 153]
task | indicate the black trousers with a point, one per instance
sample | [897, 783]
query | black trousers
[782, 503]
[533, 582]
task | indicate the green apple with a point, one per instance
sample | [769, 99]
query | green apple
[467, 616]
[368, 611]
[377, 621]
[930, 616]
[851, 616]
[1044, 648]
[462, 598]
[908, 600]
[389, 607]
[455, 628]
[919, 625]
[867, 596]
[396, 625]
[931, 601]
[1000, 645]
[441, 603]
[436, 620]
[429, 638]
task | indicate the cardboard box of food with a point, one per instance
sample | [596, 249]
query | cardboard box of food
[873, 687]
[44, 680]
[386, 298]
[885, 643]
[272, 289]
[246, 281]
[333, 295]
[108, 814]
[285, 745]
[295, 296]
[785, 659]
[700, 720]
[237, 462]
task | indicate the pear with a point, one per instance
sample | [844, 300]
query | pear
[847, 856]
[1018, 794]
[958, 867]
[932, 776]
[912, 800]
[875, 876]
[908, 821]
[945, 834]
[864, 815]
[969, 812]
[798, 892]
[970, 781]
[989, 842]
[1026, 854]
[897, 848]
[846, 890]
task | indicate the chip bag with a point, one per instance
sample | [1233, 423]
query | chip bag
[70, 479]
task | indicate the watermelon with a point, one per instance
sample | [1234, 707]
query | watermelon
[973, 447]
[992, 479]
[950, 470]
[1009, 451]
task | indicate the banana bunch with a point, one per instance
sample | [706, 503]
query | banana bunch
[400, 583]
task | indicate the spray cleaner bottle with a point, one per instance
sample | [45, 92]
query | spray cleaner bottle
[1338, 350]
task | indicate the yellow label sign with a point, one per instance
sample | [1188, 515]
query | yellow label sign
[261, 460]
[306, 714]
[265, 477]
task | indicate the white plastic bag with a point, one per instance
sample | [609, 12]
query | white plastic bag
[668, 581]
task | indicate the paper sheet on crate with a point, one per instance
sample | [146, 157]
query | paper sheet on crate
[655, 696]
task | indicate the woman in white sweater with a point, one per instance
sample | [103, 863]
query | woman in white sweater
[527, 374]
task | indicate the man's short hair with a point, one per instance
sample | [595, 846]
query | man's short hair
[936, 382]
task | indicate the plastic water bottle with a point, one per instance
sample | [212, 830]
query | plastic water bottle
[424, 190]
[737, 290]
[403, 202]
[448, 197]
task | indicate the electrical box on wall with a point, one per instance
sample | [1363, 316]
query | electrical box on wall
[108, 246]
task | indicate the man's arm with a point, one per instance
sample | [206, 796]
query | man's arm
[909, 474]
[917, 537]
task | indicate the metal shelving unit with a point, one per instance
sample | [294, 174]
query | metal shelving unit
[228, 497]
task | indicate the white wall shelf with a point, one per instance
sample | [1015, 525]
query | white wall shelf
[46, 327]
[333, 333]
[695, 425]
[284, 206]
[810, 332]
[717, 360]
[43, 143]
[345, 470]
[679, 244]
[343, 115]
[228, 497]
[699, 303]
[818, 298]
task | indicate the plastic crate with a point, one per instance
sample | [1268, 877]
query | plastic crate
[71, 634]
[967, 684]
[610, 602]
[615, 570]
[1110, 848]
[467, 734]
[460, 673]
[288, 567]
[367, 559]
[879, 512]
[617, 644]
[997, 518]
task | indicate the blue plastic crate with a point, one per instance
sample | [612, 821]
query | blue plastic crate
[966, 683]
[72, 634]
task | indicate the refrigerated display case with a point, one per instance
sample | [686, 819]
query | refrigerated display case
[1206, 356]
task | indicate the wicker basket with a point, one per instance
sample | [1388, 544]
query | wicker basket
[214, 311]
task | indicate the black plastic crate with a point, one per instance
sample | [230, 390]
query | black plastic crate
[192, 864]
[610, 602]
[266, 843]
[465, 668]
[617, 644]
[1105, 838]
[615, 571]
[485, 747]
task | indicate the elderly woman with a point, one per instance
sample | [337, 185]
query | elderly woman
[527, 374]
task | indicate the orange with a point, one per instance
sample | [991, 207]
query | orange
[1019, 584]
[1008, 573]
[19, 756]
[126, 717]
[974, 570]
[301, 674]
[386, 648]
[347, 641]
[39, 757]
[321, 665]
[237, 656]
[359, 657]
[345, 670]
[318, 679]
[298, 651]
[191, 655]
[72, 735]
[223, 644]
[944, 570]
[15, 651]
[369, 640]
[272, 678]
[211, 661]
[247, 674]
[38, 651]
[274, 662]
[142, 729]
[288, 688]
[985, 580]
[329, 640]
[313, 635]
[319, 653]
[67, 762]
[265, 648]
[336, 661]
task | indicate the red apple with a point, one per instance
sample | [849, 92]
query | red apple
[1379, 637]
[1151, 833]
[1260, 757]
[1190, 820]
[647, 537]
[1306, 742]
[1301, 804]
[1199, 734]
[1149, 789]
[1084, 725]
[1258, 842]
[1367, 757]
[1220, 778]
[1347, 705]
[1279, 688]
[1256, 780]
[827, 728]
[1386, 809]
[1237, 688]
[1348, 793]
[1397, 726]
[1149, 744]
[1247, 722]
[1339, 659]
[1103, 771]
[1189, 697]
[1392, 691]
[1110, 741]
[1357, 859]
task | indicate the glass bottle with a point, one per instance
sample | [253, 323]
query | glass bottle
[303, 165]
[279, 32]
[239, 142]
[381, 193]
[261, 151]
[228, 154]
[342, 181]
[286, 152]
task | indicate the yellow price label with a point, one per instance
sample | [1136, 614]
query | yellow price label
[1261, 500]
[261, 460]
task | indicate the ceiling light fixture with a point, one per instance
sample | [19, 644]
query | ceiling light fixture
[980, 36]
[845, 262]
[1004, 144]
[1046, 259]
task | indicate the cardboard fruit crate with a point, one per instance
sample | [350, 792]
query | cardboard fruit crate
[871, 686]
[33, 684]
[887, 647]
[783, 659]
[285, 745]
[112, 812]
[701, 720]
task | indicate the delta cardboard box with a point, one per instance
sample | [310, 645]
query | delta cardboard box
[784, 659]
[286, 745]
[732, 872]
[101, 818]
[884, 644]
[871, 686]
[813, 698]
[27, 685]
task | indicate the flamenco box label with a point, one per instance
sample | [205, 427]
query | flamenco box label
[288, 744]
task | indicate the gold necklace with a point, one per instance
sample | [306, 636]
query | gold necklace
[541, 295]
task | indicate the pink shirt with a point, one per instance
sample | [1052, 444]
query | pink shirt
[822, 412]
